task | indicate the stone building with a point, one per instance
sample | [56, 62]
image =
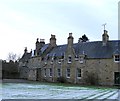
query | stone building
[96, 62]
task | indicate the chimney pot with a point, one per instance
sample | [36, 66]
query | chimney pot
[42, 40]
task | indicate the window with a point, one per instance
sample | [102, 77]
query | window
[78, 73]
[42, 59]
[52, 62]
[45, 63]
[81, 59]
[50, 72]
[48, 57]
[76, 57]
[69, 59]
[59, 61]
[54, 57]
[117, 58]
[45, 72]
[59, 72]
[62, 54]
[68, 73]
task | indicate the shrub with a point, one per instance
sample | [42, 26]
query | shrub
[61, 79]
[91, 78]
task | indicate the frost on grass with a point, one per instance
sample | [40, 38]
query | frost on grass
[46, 91]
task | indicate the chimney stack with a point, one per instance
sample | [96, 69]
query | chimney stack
[70, 40]
[53, 40]
[39, 45]
[25, 51]
[105, 37]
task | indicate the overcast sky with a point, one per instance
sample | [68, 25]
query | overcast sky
[22, 21]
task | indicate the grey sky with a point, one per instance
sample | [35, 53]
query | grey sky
[22, 21]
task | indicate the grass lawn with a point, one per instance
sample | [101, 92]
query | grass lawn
[38, 90]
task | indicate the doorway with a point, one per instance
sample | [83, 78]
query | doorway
[117, 78]
[38, 78]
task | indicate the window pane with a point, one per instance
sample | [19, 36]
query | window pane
[59, 72]
[117, 58]
[69, 59]
[78, 72]
[45, 72]
[68, 72]
[50, 72]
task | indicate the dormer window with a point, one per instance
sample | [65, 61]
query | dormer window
[52, 60]
[45, 63]
[59, 61]
[48, 57]
[69, 59]
[76, 57]
[53, 57]
[42, 59]
[62, 56]
[116, 58]
[81, 59]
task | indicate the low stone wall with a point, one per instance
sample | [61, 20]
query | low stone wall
[16, 81]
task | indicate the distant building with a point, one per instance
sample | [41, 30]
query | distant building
[96, 62]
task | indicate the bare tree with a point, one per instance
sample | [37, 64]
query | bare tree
[13, 57]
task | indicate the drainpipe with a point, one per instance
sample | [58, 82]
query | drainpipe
[53, 74]
[75, 76]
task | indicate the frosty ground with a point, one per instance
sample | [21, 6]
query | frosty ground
[56, 91]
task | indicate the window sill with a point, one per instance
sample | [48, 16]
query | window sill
[78, 77]
[59, 62]
[117, 61]
[69, 62]
[76, 59]
[68, 77]
[81, 62]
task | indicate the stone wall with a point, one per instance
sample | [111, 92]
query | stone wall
[101, 70]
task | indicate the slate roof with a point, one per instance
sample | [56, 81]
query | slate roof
[58, 51]
[25, 57]
[44, 48]
[91, 49]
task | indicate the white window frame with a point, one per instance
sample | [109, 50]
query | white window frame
[59, 61]
[79, 73]
[69, 59]
[45, 72]
[68, 73]
[50, 72]
[76, 57]
[59, 72]
[63, 56]
[45, 63]
[81, 59]
[117, 58]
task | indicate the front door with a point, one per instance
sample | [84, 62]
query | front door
[117, 78]
[38, 74]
